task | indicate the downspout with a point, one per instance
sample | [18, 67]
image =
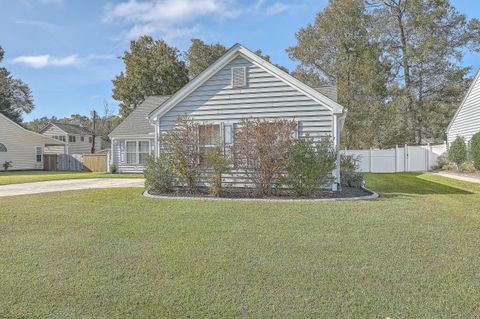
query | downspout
[339, 123]
[155, 125]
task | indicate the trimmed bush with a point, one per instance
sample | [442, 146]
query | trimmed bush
[158, 174]
[475, 150]
[349, 174]
[6, 165]
[442, 161]
[309, 165]
[113, 169]
[458, 151]
[215, 160]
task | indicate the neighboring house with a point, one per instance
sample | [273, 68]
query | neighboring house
[22, 147]
[466, 121]
[238, 85]
[77, 138]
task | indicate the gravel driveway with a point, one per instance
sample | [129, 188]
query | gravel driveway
[68, 185]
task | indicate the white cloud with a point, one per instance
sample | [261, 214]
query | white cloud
[168, 18]
[38, 23]
[41, 61]
[46, 60]
[276, 8]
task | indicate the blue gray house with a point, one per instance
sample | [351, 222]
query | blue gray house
[238, 85]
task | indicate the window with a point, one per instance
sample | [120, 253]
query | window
[143, 151]
[208, 137]
[137, 152]
[90, 139]
[72, 138]
[239, 77]
[3, 148]
[82, 139]
[60, 138]
[38, 154]
[131, 152]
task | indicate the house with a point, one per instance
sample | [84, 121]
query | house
[77, 138]
[22, 147]
[466, 120]
[238, 85]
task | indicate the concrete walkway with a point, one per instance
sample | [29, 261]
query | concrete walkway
[68, 185]
[459, 177]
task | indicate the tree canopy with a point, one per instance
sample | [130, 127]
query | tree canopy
[397, 64]
[15, 96]
[151, 68]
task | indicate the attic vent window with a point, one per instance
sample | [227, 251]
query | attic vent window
[239, 77]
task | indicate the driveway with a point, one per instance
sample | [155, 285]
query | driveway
[68, 185]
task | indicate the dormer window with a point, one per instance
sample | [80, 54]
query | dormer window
[239, 77]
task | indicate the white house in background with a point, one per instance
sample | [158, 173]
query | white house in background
[77, 138]
[238, 85]
[466, 121]
[22, 147]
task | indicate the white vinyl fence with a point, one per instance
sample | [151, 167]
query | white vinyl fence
[399, 159]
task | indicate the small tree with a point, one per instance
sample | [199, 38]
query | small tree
[458, 151]
[349, 172]
[260, 148]
[219, 165]
[309, 165]
[475, 150]
[158, 174]
[181, 144]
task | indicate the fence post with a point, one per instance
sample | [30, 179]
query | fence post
[429, 153]
[405, 158]
[370, 161]
[396, 158]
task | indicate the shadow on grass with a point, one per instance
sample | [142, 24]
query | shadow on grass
[404, 184]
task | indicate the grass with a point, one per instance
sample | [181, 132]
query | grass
[17, 177]
[112, 253]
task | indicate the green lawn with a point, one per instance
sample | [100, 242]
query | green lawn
[16, 177]
[112, 253]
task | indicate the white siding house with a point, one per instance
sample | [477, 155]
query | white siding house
[22, 147]
[238, 85]
[466, 121]
[77, 138]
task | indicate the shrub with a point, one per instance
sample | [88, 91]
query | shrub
[309, 165]
[467, 167]
[475, 150]
[349, 174]
[450, 167]
[181, 143]
[219, 164]
[458, 151]
[113, 169]
[260, 147]
[442, 161]
[6, 165]
[158, 174]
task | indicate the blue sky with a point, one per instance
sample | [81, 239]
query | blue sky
[67, 51]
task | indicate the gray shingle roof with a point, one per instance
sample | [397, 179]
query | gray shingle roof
[329, 91]
[136, 123]
[73, 129]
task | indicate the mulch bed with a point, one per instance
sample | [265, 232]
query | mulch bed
[344, 193]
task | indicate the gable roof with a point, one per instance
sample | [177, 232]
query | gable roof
[136, 122]
[475, 80]
[231, 54]
[329, 91]
[48, 140]
[73, 129]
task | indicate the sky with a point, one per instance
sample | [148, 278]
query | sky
[68, 51]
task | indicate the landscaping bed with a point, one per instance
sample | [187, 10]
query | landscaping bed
[236, 193]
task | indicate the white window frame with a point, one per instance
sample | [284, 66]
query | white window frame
[244, 68]
[72, 139]
[137, 151]
[41, 154]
